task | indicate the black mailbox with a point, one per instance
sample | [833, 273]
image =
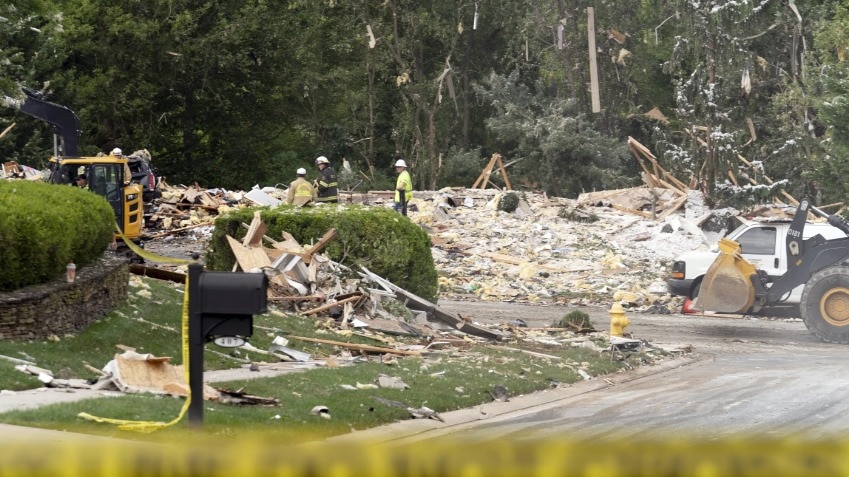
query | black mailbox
[221, 307]
[228, 302]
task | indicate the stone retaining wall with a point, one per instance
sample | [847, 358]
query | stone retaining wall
[60, 308]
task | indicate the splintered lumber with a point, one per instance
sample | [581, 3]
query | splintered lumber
[192, 206]
[676, 204]
[357, 347]
[639, 150]
[248, 258]
[175, 231]
[483, 179]
[328, 306]
[296, 298]
[256, 231]
[768, 181]
[417, 303]
[6, 131]
[327, 237]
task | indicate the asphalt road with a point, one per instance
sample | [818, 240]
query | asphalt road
[746, 377]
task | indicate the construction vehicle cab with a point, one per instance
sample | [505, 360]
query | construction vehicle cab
[107, 176]
[732, 284]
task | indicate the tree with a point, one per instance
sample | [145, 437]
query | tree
[562, 153]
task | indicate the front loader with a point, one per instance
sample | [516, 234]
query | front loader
[734, 285]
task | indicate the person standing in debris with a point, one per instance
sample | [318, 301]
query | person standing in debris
[81, 181]
[300, 191]
[403, 187]
[116, 152]
[326, 183]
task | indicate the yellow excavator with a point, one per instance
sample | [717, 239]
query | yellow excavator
[733, 285]
[108, 176]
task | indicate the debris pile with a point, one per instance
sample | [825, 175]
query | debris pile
[549, 250]
[13, 170]
[132, 372]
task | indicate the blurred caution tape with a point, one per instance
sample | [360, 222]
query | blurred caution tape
[245, 453]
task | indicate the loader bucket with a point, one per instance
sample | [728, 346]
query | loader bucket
[726, 287]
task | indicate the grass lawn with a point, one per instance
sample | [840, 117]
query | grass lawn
[444, 380]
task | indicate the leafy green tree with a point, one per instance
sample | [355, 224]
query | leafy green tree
[562, 153]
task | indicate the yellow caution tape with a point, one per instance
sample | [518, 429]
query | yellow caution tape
[248, 456]
[152, 257]
[150, 426]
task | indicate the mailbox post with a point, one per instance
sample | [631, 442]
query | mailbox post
[221, 307]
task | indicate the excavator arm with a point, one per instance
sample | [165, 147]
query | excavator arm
[66, 124]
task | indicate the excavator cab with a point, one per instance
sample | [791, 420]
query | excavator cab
[107, 176]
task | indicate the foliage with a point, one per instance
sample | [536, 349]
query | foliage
[377, 238]
[569, 156]
[832, 167]
[45, 226]
[462, 168]
[232, 94]
[576, 320]
[509, 202]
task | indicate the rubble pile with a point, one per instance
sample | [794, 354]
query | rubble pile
[584, 251]
[601, 247]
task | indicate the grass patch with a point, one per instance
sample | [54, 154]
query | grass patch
[444, 380]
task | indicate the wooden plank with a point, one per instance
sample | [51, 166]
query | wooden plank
[328, 306]
[631, 211]
[504, 173]
[248, 258]
[327, 237]
[297, 298]
[253, 238]
[596, 102]
[673, 207]
[158, 273]
[484, 177]
[356, 346]
[6, 131]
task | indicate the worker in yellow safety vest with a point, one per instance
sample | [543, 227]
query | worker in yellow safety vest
[403, 187]
[300, 191]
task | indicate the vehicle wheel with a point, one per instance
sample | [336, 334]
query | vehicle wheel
[825, 305]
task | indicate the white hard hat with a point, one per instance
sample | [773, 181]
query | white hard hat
[322, 160]
[116, 151]
[400, 163]
[301, 171]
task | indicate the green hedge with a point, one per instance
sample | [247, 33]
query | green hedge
[45, 226]
[381, 239]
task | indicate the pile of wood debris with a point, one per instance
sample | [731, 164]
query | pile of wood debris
[552, 250]
[132, 372]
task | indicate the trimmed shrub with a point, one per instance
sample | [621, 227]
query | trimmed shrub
[45, 226]
[378, 238]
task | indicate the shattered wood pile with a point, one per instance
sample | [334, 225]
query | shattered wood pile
[132, 372]
[306, 282]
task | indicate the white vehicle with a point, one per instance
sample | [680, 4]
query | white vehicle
[763, 244]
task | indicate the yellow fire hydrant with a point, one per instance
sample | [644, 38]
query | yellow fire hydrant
[618, 320]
